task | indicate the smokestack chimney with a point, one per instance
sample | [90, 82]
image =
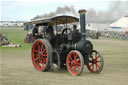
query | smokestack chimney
[82, 23]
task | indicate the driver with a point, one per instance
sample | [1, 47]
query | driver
[35, 32]
[49, 30]
[74, 27]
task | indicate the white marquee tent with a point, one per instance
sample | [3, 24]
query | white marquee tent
[123, 22]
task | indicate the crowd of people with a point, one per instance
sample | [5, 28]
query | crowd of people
[112, 34]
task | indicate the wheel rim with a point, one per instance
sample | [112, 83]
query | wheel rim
[39, 55]
[95, 62]
[74, 63]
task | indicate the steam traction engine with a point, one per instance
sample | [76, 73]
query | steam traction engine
[68, 49]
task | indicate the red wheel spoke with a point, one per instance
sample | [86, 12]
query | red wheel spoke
[78, 67]
[93, 67]
[43, 65]
[70, 61]
[78, 60]
[41, 61]
[70, 58]
[74, 69]
[44, 59]
[97, 57]
[71, 65]
[77, 63]
[75, 56]
[36, 51]
[97, 66]
[43, 51]
[44, 55]
[38, 58]
[37, 55]
[39, 49]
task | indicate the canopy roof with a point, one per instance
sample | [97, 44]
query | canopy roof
[123, 22]
[63, 19]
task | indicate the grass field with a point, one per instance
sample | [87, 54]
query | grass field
[16, 66]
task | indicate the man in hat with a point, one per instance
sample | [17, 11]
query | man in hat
[35, 32]
[50, 30]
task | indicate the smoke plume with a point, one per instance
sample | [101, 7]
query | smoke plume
[116, 10]
[59, 10]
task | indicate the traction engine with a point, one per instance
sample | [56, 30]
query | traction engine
[69, 49]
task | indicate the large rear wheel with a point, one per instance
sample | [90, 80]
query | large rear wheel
[41, 53]
[75, 62]
[95, 62]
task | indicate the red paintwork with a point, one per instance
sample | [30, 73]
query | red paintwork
[95, 63]
[1, 34]
[26, 39]
[73, 63]
[39, 55]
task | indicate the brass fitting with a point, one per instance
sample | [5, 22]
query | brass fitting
[82, 11]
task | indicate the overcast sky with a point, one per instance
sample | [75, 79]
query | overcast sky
[13, 10]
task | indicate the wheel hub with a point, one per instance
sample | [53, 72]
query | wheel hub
[74, 62]
[40, 55]
[94, 61]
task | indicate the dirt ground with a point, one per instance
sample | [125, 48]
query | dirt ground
[17, 69]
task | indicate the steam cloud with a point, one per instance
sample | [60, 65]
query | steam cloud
[59, 10]
[116, 10]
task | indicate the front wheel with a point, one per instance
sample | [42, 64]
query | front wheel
[95, 62]
[75, 62]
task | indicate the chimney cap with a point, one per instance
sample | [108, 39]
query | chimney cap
[82, 11]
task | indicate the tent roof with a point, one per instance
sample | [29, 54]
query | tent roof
[122, 22]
